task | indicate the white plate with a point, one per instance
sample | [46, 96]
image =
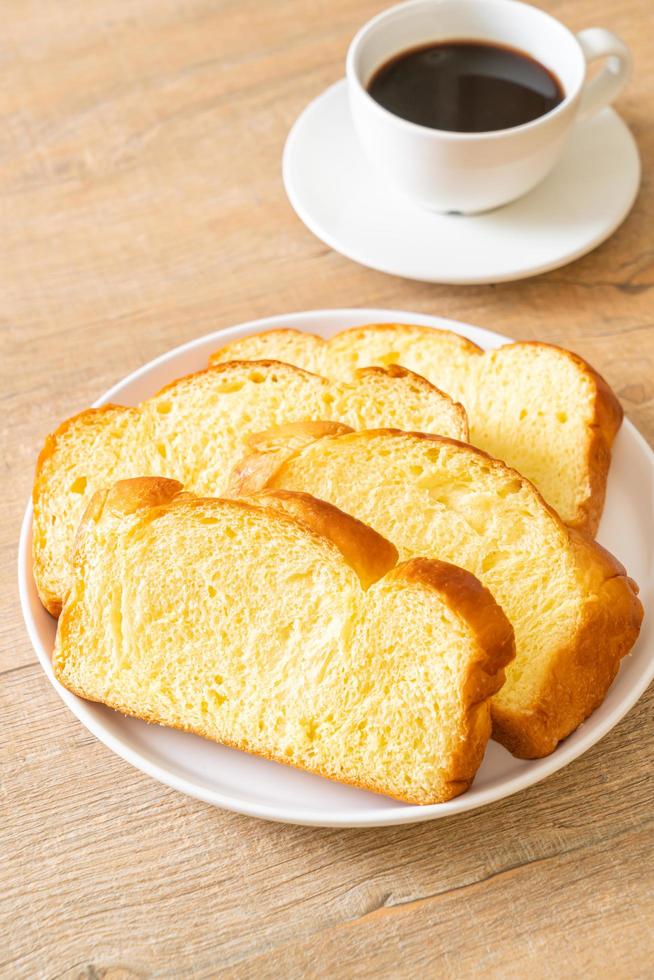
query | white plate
[342, 201]
[236, 781]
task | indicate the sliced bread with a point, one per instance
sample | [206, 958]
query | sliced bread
[283, 627]
[574, 612]
[541, 409]
[193, 431]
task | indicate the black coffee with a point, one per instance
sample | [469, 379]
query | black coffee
[465, 87]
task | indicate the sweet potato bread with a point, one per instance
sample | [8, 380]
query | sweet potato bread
[541, 409]
[574, 612]
[193, 431]
[280, 626]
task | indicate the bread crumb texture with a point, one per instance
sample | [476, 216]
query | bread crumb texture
[249, 626]
[574, 611]
[194, 430]
[541, 409]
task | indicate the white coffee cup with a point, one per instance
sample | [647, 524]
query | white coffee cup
[471, 172]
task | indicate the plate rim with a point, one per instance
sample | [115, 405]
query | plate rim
[538, 770]
[537, 270]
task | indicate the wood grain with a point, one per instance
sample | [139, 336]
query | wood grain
[142, 206]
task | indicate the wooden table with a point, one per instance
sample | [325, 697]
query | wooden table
[142, 206]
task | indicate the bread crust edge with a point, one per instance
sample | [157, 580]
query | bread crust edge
[608, 415]
[52, 601]
[580, 679]
[607, 411]
[463, 593]
[537, 731]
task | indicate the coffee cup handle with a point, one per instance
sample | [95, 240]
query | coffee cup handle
[596, 42]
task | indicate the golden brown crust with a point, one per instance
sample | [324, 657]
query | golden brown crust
[467, 597]
[224, 354]
[221, 355]
[269, 448]
[50, 600]
[607, 419]
[366, 551]
[255, 370]
[459, 589]
[254, 472]
[302, 432]
[583, 670]
[128, 496]
[51, 439]
[124, 497]
[256, 478]
[394, 371]
[389, 371]
[397, 371]
[604, 426]
[414, 328]
[450, 789]
[476, 605]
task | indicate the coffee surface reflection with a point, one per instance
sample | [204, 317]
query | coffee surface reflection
[465, 87]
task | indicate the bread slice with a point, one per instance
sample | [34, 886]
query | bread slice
[282, 627]
[193, 431]
[574, 612]
[541, 409]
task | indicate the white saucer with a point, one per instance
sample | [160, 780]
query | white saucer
[342, 201]
[231, 779]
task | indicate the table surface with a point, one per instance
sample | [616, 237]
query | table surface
[142, 206]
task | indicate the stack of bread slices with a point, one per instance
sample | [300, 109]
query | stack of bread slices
[362, 557]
